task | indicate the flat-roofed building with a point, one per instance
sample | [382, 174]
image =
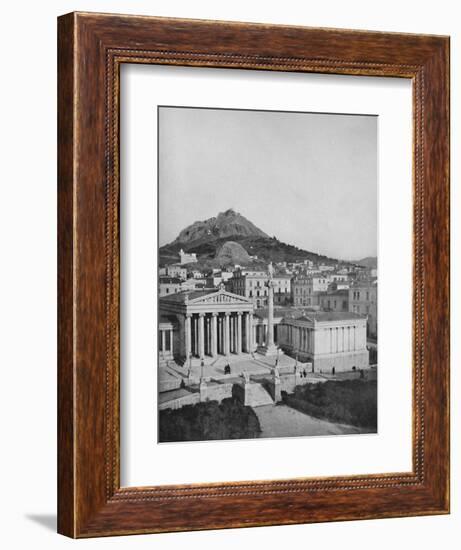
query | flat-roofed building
[169, 285]
[187, 257]
[305, 289]
[337, 300]
[176, 270]
[363, 299]
[332, 341]
[252, 284]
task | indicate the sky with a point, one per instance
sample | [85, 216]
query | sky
[309, 179]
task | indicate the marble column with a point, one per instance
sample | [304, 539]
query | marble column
[163, 341]
[187, 335]
[226, 320]
[194, 334]
[220, 335]
[201, 335]
[214, 335]
[226, 333]
[247, 333]
[250, 332]
[239, 332]
[231, 333]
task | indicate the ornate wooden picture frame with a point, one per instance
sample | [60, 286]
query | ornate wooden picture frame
[92, 48]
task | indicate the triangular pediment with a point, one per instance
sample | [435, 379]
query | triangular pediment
[220, 297]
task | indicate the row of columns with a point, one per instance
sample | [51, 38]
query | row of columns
[218, 333]
[301, 338]
[330, 340]
[342, 339]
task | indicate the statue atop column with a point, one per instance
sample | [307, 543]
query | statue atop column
[270, 348]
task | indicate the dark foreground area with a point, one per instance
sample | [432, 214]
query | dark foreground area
[352, 402]
[209, 421]
[347, 402]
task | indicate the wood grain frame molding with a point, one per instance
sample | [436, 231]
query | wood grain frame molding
[92, 47]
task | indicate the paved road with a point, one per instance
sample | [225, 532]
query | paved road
[283, 421]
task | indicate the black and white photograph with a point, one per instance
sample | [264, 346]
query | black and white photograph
[267, 274]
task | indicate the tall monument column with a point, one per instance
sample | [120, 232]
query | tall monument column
[270, 348]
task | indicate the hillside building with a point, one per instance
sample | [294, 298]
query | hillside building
[187, 258]
[176, 270]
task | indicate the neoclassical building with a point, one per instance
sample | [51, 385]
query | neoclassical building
[208, 323]
[332, 341]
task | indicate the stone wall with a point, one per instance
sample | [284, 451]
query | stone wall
[215, 392]
[180, 402]
[168, 384]
[341, 362]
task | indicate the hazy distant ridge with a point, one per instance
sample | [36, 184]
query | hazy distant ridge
[371, 262]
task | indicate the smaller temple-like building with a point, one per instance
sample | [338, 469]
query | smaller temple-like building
[332, 341]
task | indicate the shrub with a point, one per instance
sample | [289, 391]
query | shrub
[352, 402]
[209, 421]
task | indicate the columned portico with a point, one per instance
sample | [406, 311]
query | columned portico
[212, 323]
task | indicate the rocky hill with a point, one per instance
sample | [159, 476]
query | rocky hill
[215, 241]
[232, 253]
[224, 225]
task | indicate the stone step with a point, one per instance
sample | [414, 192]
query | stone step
[257, 396]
